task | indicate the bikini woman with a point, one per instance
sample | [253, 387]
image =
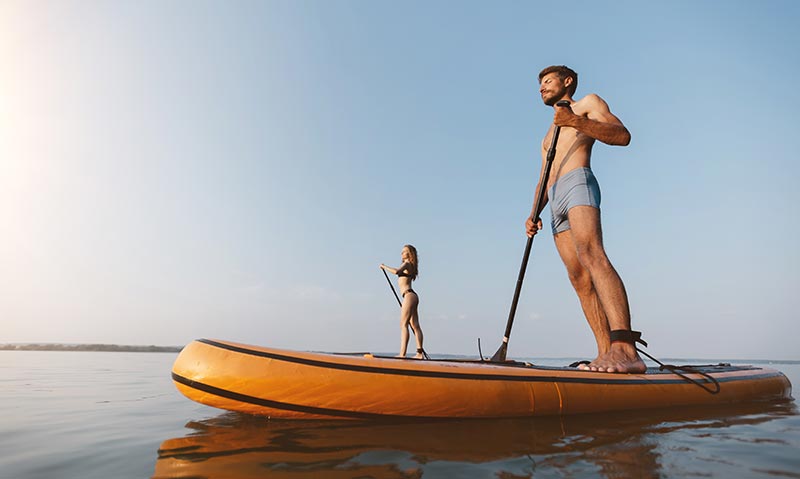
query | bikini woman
[409, 315]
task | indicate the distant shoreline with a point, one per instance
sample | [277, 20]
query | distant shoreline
[119, 348]
[115, 348]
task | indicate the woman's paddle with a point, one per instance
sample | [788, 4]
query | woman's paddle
[392, 286]
[500, 355]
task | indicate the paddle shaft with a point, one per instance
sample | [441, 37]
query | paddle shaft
[392, 286]
[500, 355]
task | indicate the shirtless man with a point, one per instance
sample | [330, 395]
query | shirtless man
[574, 197]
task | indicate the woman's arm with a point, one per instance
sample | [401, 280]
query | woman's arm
[388, 268]
[405, 268]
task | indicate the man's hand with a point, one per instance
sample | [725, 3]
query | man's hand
[564, 116]
[532, 227]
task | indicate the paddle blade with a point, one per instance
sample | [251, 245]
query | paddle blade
[500, 355]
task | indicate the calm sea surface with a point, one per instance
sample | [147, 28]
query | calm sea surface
[82, 415]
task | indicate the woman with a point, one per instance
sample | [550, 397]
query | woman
[409, 315]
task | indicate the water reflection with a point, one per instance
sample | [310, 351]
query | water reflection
[237, 446]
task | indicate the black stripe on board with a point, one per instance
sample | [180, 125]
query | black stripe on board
[244, 398]
[466, 376]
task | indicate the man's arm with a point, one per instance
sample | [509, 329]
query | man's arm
[533, 224]
[594, 119]
[535, 214]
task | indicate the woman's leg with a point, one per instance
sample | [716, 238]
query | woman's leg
[405, 319]
[413, 301]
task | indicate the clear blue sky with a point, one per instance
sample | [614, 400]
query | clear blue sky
[238, 170]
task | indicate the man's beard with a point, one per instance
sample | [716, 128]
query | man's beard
[551, 100]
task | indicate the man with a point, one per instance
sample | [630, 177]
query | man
[574, 197]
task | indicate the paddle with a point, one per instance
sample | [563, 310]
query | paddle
[392, 286]
[500, 355]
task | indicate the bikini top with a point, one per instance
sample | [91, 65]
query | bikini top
[406, 270]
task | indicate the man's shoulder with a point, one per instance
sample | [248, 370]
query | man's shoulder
[590, 103]
[590, 99]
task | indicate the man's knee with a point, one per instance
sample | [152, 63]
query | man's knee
[593, 257]
[582, 282]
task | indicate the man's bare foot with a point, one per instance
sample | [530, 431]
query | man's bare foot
[618, 360]
[587, 367]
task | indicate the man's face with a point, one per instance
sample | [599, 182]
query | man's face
[552, 89]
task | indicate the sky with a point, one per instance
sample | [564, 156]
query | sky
[238, 170]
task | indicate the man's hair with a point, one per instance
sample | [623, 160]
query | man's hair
[563, 73]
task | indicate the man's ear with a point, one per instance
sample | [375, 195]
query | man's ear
[568, 81]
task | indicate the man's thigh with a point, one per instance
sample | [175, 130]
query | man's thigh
[586, 232]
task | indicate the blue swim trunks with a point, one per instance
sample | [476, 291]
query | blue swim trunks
[577, 187]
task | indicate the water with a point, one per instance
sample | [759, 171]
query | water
[86, 415]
